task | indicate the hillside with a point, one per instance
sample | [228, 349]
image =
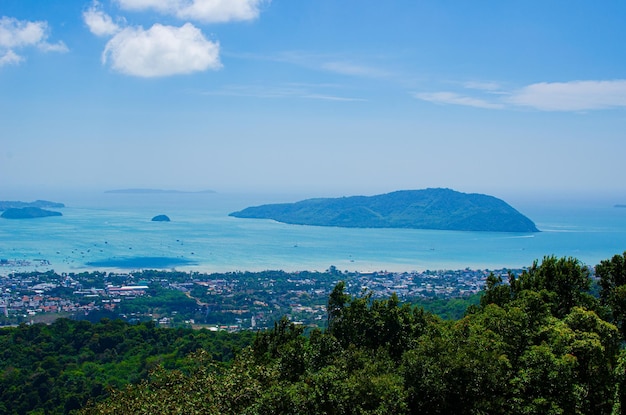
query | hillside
[536, 344]
[441, 209]
[28, 213]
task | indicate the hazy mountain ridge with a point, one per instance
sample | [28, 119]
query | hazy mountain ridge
[154, 191]
[440, 209]
[8, 204]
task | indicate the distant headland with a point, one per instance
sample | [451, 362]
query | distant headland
[437, 209]
[29, 210]
[6, 204]
[154, 191]
[28, 213]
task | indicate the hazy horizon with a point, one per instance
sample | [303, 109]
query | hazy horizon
[519, 200]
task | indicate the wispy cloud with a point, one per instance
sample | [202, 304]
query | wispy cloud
[292, 91]
[456, 99]
[483, 86]
[544, 96]
[19, 34]
[333, 98]
[207, 11]
[571, 96]
[352, 69]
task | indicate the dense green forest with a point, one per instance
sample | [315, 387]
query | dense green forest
[57, 368]
[549, 340]
[539, 343]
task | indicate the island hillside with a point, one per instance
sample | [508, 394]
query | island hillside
[441, 209]
[28, 213]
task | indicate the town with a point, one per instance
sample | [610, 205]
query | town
[219, 301]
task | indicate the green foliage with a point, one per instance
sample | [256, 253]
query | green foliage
[534, 345]
[161, 301]
[373, 323]
[612, 282]
[59, 367]
[448, 308]
[563, 283]
[538, 344]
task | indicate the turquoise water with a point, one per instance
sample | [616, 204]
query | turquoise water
[114, 231]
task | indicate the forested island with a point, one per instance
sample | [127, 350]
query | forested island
[29, 210]
[547, 339]
[28, 213]
[440, 209]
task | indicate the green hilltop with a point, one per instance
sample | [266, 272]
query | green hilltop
[440, 209]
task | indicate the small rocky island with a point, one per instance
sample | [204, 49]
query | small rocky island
[28, 213]
[161, 218]
[437, 209]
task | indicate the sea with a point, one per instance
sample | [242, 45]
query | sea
[113, 232]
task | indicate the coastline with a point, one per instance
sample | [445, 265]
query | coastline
[12, 266]
[118, 226]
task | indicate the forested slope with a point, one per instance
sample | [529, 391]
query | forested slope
[539, 343]
[54, 369]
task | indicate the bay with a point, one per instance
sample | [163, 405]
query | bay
[111, 231]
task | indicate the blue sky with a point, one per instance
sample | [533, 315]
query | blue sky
[314, 96]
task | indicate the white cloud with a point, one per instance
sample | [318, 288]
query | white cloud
[100, 23]
[10, 58]
[543, 96]
[53, 47]
[571, 96]
[208, 11]
[161, 51]
[19, 34]
[333, 98]
[456, 99]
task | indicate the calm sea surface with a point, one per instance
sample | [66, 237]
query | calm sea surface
[114, 231]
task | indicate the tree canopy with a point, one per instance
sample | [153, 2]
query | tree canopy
[539, 343]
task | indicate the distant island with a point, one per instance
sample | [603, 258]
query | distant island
[437, 209]
[161, 218]
[154, 191]
[5, 204]
[28, 213]
[620, 206]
